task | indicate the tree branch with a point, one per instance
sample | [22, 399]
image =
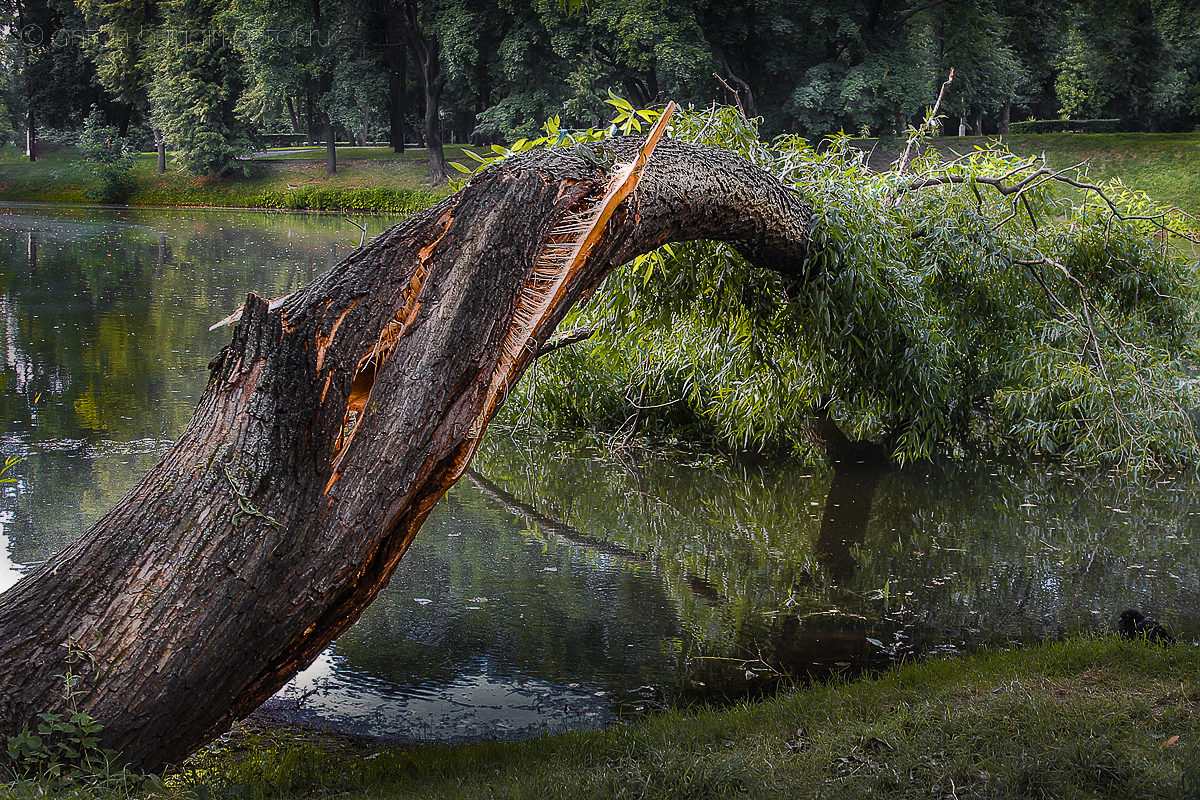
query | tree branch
[567, 339]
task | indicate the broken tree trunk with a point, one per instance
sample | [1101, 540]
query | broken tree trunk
[331, 425]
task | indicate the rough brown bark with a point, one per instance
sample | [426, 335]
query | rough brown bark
[309, 464]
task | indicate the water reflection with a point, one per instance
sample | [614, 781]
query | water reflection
[106, 343]
[557, 586]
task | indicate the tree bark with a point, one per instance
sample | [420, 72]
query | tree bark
[331, 425]
[330, 146]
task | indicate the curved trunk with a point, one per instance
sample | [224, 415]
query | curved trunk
[331, 425]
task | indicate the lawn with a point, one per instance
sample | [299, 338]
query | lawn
[1164, 165]
[372, 178]
[1088, 717]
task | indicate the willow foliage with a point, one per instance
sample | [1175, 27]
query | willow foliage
[984, 301]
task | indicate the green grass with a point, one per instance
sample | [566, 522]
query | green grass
[1090, 717]
[1165, 166]
[367, 179]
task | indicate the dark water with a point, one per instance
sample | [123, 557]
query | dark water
[559, 587]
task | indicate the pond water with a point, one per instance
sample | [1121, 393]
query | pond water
[555, 586]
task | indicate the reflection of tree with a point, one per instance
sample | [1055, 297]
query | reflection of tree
[980, 552]
[546, 524]
[592, 617]
[844, 522]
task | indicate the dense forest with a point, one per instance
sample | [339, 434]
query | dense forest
[211, 79]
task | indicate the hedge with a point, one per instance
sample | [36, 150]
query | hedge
[396, 201]
[1068, 126]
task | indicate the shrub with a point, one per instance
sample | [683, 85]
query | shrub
[111, 158]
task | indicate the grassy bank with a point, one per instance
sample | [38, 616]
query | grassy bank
[368, 179]
[1090, 717]
[1166, 166]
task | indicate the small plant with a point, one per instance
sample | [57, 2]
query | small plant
[65, 746]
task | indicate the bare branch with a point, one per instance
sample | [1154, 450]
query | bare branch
[903, 164]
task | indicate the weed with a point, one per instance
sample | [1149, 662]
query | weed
[63, 752]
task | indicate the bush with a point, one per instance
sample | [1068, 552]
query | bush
[111, 158]
[1068, 126]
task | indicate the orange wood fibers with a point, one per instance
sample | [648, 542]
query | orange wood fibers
[565, 253]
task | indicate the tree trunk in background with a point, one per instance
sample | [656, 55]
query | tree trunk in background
[30, 134]
[330, 147]
[160, 144]
[331, 425]
[126, 117]
[297, 125]
[433, 128]
[1005, 118]
[310, 114]
[397, 59]
[426, 57]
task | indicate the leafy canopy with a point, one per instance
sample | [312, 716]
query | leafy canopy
[976, 300]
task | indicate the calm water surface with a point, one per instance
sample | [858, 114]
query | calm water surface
[558, 587]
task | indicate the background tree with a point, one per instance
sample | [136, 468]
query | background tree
[51, 83]
[121, 46]
[1133, 60]
[423, 24]
[972, 40]
[110, 156]
[198, 82]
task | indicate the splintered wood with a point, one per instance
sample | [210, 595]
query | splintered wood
[564, 254]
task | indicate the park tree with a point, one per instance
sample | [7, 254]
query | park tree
[198, 80]
[293, 51]
[1133, 60]
[121, 49]
[338, 415]
[391, 20]
[423, 24]
[529, 75]
[872, 65]
[645, 51]
[1035, 33]
[49, 82]
[972, 39]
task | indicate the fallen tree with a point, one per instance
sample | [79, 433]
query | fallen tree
[331, 425]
